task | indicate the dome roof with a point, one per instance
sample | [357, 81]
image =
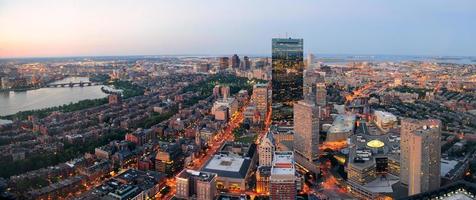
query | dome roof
[375, 144]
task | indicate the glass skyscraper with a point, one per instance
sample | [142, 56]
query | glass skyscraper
[287, 76]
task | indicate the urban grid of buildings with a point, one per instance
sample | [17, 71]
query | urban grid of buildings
[281, 128]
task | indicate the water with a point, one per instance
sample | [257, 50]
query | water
[2, 121]
[13, 102]
[339, 59]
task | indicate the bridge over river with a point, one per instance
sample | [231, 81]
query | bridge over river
[72, 84]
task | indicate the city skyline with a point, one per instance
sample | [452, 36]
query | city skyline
[248, 100]
[86, 28]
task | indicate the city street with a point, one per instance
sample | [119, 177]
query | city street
[225, 135]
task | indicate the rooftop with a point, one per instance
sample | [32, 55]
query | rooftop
[386, 116]
[368, 145]
[460, 190]
[283, 163]
[343, 123]
[203, 176]
[382, 185]
[238, 148]
[375, 143]
[228, 166]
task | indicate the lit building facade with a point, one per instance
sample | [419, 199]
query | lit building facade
[287, 75]
[424, 160]
[321, 94]
[373, 162]
[200, 185]
[314, 87]
[266, 150]
[306, 130]
[262, 179]
[408, 128]
[309, 60]
[260, 98]
[385, 120]
[282, 184]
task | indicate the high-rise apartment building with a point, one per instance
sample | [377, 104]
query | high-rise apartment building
[287, 75]
[424, 160]
[266, 150]
[306, 124]
[314, 88]
[321, 94]
[246, 63]
[235, 61]
[224, 62]
[260, 98]
[408, 128]
[309, 61]
[306, 130]
[282, 182]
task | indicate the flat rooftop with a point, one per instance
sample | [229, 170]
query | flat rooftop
[225, 163]
[283, 157]
[228, 166]
[460, 190]
[238, 148]
[343, 123]
[368, 145]
[283, 171]
[283, 163]
[386, 116]
[204, 176]
[382, 185]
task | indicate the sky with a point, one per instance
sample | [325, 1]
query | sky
[48, 28]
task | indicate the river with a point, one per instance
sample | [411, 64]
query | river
[13, 102]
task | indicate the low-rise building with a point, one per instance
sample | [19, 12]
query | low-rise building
[196, 184]
[385, 120]
[131, 184]
[262, 179]
[342, 127]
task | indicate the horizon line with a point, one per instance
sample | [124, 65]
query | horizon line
[230, 54]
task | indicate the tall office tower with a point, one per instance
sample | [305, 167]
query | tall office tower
[306, 130]
[314, 88]
[321, 94]
[287, 72]
[306, 124]
[309, 61]
[224, 62]
[260, 98]
[266, 150]
[235, 61]
[410, 135]
[246, 63]
[424, 160]
[282, 182]
[225, 92]
[308, 88]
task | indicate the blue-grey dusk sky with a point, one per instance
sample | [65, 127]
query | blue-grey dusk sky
[30, 28]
